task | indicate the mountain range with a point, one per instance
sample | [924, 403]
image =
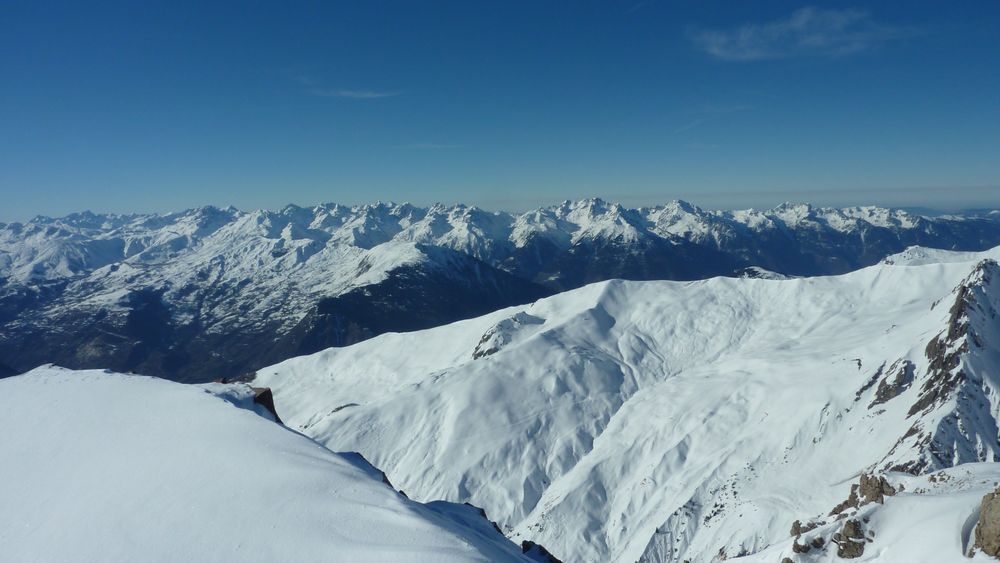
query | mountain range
[214, 293]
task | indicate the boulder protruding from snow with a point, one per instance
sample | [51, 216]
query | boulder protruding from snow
[875, 489]
[850, 540]
[988, 528]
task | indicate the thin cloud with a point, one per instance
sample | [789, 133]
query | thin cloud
[352, 94]
[691, 125]
[807, 32]
[314, 87]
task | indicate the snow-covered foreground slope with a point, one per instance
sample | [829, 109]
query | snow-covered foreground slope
[669, 421]
[106, 467]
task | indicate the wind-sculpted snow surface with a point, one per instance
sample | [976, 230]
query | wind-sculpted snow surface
[673, 421]
[99, 466]
[210, 292]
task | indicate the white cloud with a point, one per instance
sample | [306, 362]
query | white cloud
[806, 32]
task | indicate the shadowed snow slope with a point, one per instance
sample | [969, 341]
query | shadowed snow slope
[106, 467]
[669, 421]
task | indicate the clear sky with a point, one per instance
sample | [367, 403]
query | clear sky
[157, 106]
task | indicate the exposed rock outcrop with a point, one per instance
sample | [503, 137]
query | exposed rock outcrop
[537, 552]
[798, 528]
[899, 379]
[874, 489]
[850, 540]
[988, 527]
[868, 489]
[502, 333]
[263, 397]
[951, 420]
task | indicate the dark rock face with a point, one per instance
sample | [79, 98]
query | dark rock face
[263, 397]
[963, 434]
[851, 502]
[798, 528]
[868, 489]
[800, 547]
[874, 489]
[900, 377]
[944, 351]
[850, 540]
[988, 527]
[537, 552]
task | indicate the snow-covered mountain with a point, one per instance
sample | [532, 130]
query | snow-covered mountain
[220, 292]
[693, 421]
[100, 466]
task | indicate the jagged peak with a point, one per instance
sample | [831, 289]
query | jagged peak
[793, 212]
[330, 206]
[792, 206]
[593, 205]
[983, 273]
[684, 206]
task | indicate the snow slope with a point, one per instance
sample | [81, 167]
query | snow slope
[100, 466]
[670, 421]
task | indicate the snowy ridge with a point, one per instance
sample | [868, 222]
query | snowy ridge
[107, 467]
[668, 421]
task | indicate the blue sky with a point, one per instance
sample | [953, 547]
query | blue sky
[156, 106]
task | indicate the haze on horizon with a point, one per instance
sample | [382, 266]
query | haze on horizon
[162, 106]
